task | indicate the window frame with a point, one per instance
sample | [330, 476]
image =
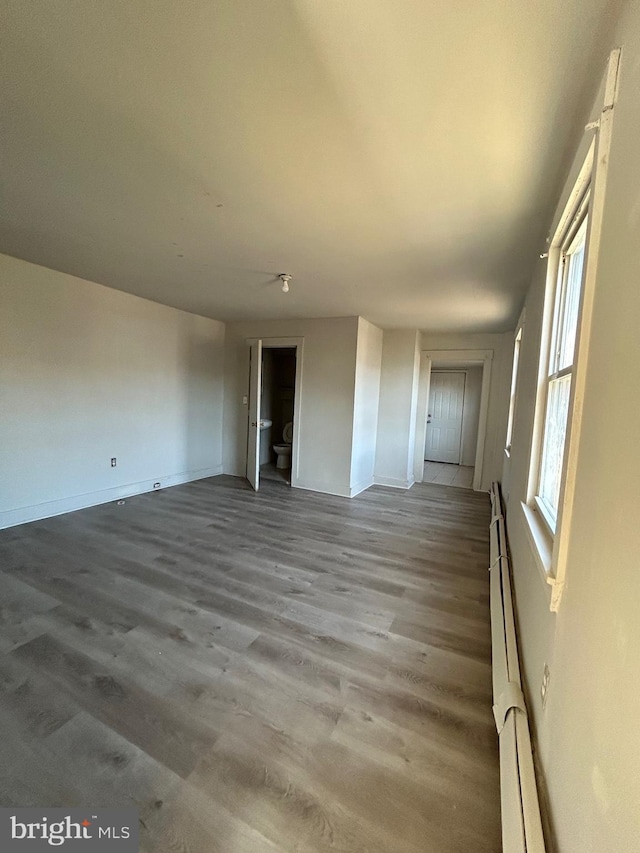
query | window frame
[545, 537]
[590, 167]
[513, 393]
[575, 236]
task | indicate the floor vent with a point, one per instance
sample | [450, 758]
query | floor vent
[521, 822]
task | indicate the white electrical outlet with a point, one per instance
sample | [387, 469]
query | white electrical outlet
[544, 689]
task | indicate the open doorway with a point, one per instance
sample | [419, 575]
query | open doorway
[277, 412]
[275, 376]
[452, 426]
[451, 417]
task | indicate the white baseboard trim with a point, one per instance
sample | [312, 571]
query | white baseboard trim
[361, 487]
[339, 491]
[23, 515]
[394, 482]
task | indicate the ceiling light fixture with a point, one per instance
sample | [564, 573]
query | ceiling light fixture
[285, 279]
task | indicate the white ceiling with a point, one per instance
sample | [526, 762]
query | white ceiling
[397, 157]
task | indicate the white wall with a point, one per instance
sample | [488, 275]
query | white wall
[472, 391]
[587, 737]
[502, 347]
[366, 405]
[328, 385]
[397, 410]
[87, 373]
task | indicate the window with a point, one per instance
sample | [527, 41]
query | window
[560, 363]
[571, 281]
[514, 386]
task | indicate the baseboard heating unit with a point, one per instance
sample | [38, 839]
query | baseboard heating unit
[521, 822]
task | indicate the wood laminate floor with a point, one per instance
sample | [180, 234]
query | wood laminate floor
[281, 671]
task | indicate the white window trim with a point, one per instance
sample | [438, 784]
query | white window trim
[513, 390]
[551, 550]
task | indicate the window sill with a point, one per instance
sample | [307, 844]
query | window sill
[541, 543]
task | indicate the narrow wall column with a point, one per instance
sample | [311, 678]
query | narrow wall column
[397, 412]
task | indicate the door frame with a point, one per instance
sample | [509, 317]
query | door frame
[458, 371]
[296, 343]
[450, 359]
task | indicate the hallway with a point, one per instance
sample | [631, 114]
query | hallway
[446, 474]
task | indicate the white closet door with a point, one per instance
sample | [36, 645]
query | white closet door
[444, 421]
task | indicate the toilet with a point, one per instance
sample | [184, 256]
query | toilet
[283, 451]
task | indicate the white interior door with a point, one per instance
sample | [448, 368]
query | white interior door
[444, 418]
[253, 429]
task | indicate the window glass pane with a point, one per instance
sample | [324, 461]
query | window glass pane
[553, 443]
[575, 261]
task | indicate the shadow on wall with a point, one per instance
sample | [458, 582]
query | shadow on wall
[202, 365]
